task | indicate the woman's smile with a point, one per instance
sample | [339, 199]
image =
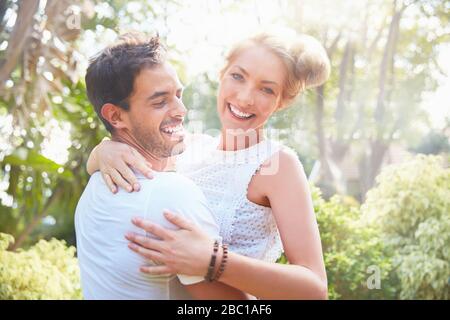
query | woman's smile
[239, 114]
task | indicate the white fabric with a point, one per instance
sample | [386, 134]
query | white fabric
[109, 269]
[249, 229]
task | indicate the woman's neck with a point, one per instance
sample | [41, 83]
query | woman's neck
[231, 140]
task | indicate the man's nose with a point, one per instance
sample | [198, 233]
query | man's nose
[179, 109]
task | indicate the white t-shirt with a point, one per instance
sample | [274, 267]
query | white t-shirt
[109, 269]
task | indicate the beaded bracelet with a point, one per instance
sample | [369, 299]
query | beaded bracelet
[212, 263]
[223, 262]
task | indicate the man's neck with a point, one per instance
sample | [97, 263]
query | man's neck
[158, 163]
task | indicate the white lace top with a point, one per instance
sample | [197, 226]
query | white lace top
[249, 229]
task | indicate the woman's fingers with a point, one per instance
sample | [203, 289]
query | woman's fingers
[147, 253]
[138, 162]
[129, 176]
[156, 269]
[119, 180]
[145, 242]
[154, 229]
[178, 220]
[111, 185]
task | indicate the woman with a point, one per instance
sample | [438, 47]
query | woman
[256, 187]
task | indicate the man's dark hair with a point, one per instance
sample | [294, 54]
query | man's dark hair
[111, 73]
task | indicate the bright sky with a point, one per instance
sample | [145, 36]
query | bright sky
[437, 103]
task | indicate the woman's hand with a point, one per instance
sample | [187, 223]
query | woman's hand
[114, 160]
[184, 251]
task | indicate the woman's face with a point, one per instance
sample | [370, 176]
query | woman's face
[250, 89]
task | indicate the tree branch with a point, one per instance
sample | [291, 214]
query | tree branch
[30, 227]
[18, 38]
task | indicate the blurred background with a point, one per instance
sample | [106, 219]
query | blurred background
[374, 140]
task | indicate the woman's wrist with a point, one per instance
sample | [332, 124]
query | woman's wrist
[92, 165]
[215, 261]
[223, 262]
[218, 261]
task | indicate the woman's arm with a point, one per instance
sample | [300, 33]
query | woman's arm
[114, 160]
[304, 278]
[92, 164]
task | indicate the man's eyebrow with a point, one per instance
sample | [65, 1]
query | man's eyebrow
[158, 94]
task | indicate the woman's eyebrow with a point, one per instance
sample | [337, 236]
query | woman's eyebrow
[263, 81]
[242, 70]
[270, 82]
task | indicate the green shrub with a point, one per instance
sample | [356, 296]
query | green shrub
[411, 207]
[351, 248]
[48, 270]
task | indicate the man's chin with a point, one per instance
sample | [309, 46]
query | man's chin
[178, 148]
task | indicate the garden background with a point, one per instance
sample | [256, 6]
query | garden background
[374, 140]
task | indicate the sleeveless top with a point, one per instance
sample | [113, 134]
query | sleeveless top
[248, 228]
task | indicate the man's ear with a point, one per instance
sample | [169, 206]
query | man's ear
[114, 115]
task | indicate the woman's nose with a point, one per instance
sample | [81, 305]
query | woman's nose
[245, 97]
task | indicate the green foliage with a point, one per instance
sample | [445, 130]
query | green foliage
[433, 143]
[34, 180]
[350, 248]
[48, 270]
[200, 99]
[411, 207]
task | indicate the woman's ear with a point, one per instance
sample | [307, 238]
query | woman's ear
[114, 115]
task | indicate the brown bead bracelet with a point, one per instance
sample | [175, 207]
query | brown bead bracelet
[223, 262]
[209, 275]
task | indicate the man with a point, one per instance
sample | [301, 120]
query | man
[137, 95]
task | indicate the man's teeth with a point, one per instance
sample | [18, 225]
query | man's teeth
[239, 113]
[171, 130]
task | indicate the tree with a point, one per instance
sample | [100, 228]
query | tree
[411, 207]
[374, 93]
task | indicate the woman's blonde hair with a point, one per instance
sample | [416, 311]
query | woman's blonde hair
[306, 61]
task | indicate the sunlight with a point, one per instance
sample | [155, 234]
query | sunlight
[57, 142]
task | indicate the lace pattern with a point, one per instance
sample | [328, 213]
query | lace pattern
[249, 229]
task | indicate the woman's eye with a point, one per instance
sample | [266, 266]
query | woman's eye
[268, 90]
[236, 76]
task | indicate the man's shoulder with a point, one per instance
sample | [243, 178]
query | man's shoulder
[172, 182]
[171, 179]
[164, 185]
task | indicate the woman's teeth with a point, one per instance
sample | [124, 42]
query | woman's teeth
[235, 111]
[174, 129]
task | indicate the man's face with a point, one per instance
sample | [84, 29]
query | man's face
[156, 114]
